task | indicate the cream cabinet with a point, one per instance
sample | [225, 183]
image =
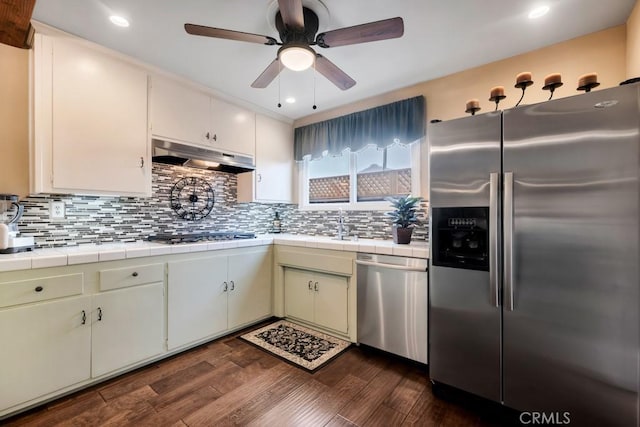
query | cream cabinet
[179, 113]
[318, 298]
[46, 347]
[184, 114]
[127, 317]
[317, 286]
[272, 181]
[197, 299]
[209, 295]
[249, 278]
[90, 121]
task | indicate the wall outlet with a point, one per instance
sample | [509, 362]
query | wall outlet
[56, 210]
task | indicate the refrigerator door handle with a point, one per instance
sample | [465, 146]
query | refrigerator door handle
[508, 240]
[494, 262]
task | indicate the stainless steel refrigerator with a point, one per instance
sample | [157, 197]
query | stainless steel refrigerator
[534, 275]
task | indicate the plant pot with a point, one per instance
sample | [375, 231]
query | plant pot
[401, 236]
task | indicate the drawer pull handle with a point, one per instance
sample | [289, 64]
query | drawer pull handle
[226, 286]
[84, 317]
[233, 285]
[310, 283]
[134, 274]
[315, 286]
[39, 289]
[99, 314]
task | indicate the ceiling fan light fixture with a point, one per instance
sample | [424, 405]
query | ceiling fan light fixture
[297, 57]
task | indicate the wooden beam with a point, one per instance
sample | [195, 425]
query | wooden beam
[15, 23]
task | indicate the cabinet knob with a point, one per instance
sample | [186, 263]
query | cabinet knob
[259, 177]
[84, 317]
[208, 136]
[99, 314]
[134, 274]
[226, 286]
[233, 285]
[141, 162]
[39, 289]
[315, 286]
[215, 137]
[310, 284]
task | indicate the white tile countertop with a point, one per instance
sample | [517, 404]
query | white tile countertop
[82, 254]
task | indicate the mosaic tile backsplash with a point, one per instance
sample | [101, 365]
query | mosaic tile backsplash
[92, 219]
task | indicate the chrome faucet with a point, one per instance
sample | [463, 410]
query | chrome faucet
[343, 230]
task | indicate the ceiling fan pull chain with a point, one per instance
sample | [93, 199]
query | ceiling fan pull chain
[279, 71]
[314, 85]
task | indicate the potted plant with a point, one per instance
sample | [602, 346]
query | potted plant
[403, 217]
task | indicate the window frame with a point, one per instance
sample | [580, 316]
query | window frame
[353, 204]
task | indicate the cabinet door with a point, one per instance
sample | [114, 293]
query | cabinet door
[274, 160]
[196, 300]
[298, 294]
[45, 347]
[249, 287]
[178, 112]
[331, 301]
[272, 181]
[99, 123]
[234, 128]
[128, 327]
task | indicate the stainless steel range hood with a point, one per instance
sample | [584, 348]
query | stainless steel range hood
[174, 153]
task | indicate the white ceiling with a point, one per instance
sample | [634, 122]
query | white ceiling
[441, 37]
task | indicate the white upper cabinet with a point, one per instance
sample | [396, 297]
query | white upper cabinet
[90, 114]
[178, 112]
[233, 128]
[181, 113]
[272, 181]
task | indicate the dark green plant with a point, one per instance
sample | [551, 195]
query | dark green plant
[404, 214]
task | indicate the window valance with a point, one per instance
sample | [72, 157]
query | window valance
[402, 121]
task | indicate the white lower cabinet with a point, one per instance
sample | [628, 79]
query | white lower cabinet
[316, 297]
[249, 288]
[209, 295]
[197, 301]
[127, 327]
[62, 328]
[45, 347]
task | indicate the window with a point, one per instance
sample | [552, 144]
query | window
[360, 180]
[329, 179]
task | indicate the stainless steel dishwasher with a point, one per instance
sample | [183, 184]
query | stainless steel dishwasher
[392, 304]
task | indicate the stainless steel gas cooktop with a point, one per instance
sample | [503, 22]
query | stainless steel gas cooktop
[171, 238]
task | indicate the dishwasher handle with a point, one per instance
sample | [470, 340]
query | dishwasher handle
[391, 266]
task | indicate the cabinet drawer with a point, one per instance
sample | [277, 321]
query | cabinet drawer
[42, 289]
[131, 276]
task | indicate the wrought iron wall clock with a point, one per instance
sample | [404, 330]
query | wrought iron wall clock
[192, 198]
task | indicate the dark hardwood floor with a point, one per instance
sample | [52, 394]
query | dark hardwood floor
[231, 382]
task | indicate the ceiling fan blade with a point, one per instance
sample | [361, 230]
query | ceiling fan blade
[380, 30]
[201, 30]
[267, 76]
[334, 74]
[291, 12]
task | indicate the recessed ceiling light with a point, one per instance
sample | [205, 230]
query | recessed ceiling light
[290, 100]
[119, 21]
[538, 12]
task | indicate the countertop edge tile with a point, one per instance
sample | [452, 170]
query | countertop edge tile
[45, 261]
[118, 251]
[15, 263]
[82, 258]
[112, 255]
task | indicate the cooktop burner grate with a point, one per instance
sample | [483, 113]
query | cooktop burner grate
[200, 236]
